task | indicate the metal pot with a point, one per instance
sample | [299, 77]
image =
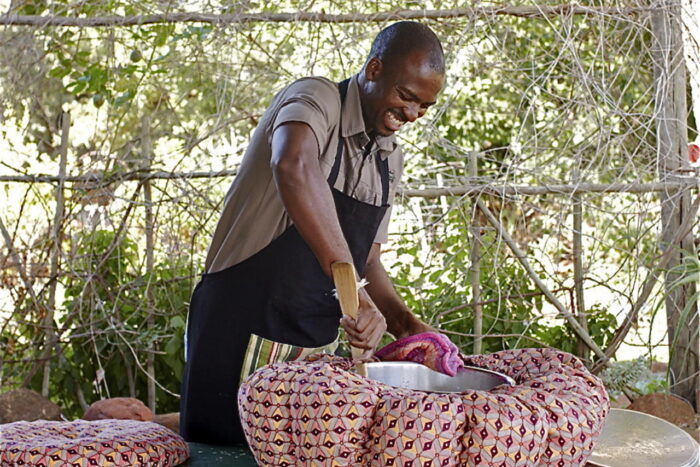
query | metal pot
[411, 375]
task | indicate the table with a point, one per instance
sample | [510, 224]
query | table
[207, 455]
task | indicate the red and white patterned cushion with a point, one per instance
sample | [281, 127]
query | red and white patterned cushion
[316, 412]
[87, 443]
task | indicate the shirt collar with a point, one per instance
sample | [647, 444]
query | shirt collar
[353, 123]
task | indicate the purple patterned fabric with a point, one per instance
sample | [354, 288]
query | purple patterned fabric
[85, 443]
[432, 349]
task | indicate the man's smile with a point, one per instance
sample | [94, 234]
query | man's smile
[392, 121]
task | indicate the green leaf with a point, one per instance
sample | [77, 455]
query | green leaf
[177, 322]
[77, 87]
[123, 98]
[59, 72]
[173, 346]
[81, 58]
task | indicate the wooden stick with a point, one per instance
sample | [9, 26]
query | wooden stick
[582, 349]
[671, 115]
[554, 189]
[56, 231]
[488, 189]
[314, 17]
[475, 260]
[345, 281]
[146, 151]
[98, 180]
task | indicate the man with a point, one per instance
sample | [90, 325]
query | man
[314, 188]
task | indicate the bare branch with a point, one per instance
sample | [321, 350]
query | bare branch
[563, 189]
[492, 189]
[225, 19]
[522, 258]
[96, 181]
[649, 284]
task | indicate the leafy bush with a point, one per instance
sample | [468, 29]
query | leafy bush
[108, 304]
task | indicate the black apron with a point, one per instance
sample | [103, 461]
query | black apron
[280, 293]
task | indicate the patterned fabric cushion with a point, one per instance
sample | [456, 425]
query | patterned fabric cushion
[316, 412]
[86, 443]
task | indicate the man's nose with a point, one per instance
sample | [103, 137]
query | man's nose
[412, 112]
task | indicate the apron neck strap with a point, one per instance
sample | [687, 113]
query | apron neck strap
[333, 176]
[382, 164]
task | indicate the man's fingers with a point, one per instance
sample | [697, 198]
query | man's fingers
[370, 342]
[375, 337]
[359, 341]
[366, 340]
[364, 318]
[354, 336]
[365, 335]
[365, 331]
[361, 345]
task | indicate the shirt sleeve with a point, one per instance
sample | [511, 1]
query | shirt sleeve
[313, 101]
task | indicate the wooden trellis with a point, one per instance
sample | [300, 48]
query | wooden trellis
[677, 182]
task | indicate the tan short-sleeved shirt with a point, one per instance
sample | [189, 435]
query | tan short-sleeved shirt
[253, 214]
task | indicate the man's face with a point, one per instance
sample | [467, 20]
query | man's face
[397, 93]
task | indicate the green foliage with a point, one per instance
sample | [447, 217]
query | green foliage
[634, 374]
[601, 327]
[109, 302]
[439, 291]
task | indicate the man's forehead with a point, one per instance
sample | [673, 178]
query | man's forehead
[418, 59]
[421, 82]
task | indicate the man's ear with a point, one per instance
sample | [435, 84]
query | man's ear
[373, 69]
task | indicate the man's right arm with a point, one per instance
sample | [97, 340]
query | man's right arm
[309, 202]
[305, 193]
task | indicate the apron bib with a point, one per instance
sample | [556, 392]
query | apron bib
[276, 305]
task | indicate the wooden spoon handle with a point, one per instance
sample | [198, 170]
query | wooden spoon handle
[346, 287]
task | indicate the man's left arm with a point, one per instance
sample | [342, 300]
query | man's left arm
[401, 322]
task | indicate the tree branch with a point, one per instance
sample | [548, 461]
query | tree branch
[522, 258]
[314, 17]
[562, 189]
[97, 181]
[491, 189]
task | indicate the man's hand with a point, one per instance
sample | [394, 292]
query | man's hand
[368, 329]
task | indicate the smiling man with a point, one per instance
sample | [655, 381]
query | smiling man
[315, 187]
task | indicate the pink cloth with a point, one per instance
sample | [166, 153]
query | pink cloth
[432, 349]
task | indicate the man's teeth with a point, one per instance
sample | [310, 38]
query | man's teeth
[395, 120]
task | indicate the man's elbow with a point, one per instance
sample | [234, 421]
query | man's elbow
[294, 152]
[374, 257]
[289, 168]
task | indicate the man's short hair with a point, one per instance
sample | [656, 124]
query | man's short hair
[402, 38]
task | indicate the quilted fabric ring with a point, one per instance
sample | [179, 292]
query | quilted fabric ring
[317, 412]
[86, 443]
